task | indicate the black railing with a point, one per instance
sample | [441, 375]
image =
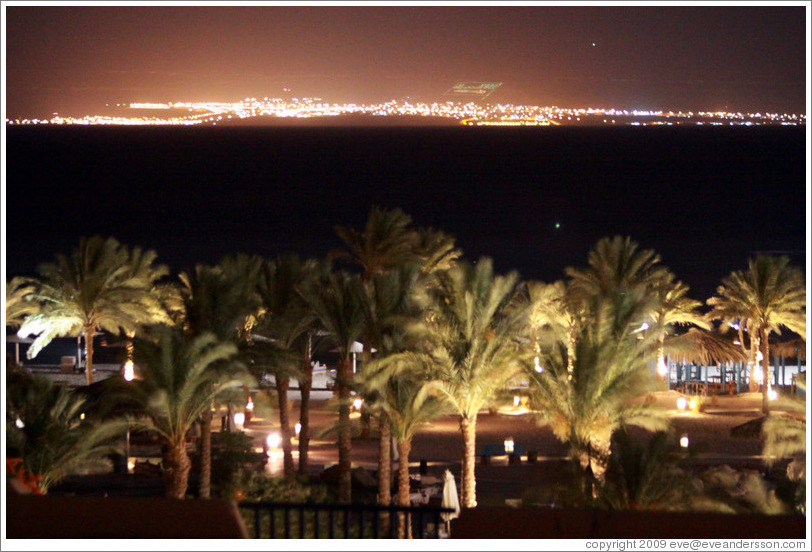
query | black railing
[274, 520]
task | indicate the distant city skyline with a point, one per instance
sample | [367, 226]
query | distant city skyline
[74, 59]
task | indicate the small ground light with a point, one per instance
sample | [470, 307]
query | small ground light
[509, 445]
[250, 405]
[357, 404]
[683, 440]
[297, 428]
[772, 394]
[129, 370]
[516, 400]
[682, 402]
[692, 404]
[239, 418]
[273, 441]
[19, 423]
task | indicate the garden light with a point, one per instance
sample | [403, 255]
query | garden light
[516, 400]
[509, 445]
[129, 370]
[250, 405]
[356, 404]
[273, 440]
[772, 394]
[692, 403]
[683, 441]
[682, 403]
[662, 368]
[297, 428]
[239, 419]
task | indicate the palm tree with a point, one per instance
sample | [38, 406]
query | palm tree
[178, 385]
[645, 476]
[785, 437]
[338, 303]
[475, 353]
[616, 264]
[436, 250]
[553, 317]
[19, 303]
[288, 321]
[675, 308]
[408, 400]
[610, 368]
[385, 241]
[102, 286]
[215, 299]
[388, 243]
[45, 427]
[766, 297]
[394, 308]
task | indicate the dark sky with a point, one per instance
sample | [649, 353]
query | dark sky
[72, 60]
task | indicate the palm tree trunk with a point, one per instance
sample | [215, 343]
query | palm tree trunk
[305, 384]
[468, 483]
[344, 435]
[384, 461]
[404, 520]
[205, 455]
[177, 466]
[754, 346]
[89, 332]
[765, 354]
[282, 385]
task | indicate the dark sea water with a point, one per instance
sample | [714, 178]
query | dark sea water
[704, 198]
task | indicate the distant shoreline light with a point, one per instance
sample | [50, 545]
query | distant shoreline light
[467, 114]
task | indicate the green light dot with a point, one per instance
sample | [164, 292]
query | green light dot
[558, 225]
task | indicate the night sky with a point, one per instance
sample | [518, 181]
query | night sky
[705, 205]
[73, 60]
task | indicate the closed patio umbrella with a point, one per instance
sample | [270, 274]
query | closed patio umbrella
[450, 500]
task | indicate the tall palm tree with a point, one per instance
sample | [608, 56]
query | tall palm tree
[101, 286]
[338, 303]
[288, 321]
[405, 396]
[394, 308]
[45, 427]
[475, 353]
[177, 386]
[675, 309]
[220, 300]
[768, 296]
[616, 264]
[386, 241]
[553, 316]
[610, 368]
[436, 251]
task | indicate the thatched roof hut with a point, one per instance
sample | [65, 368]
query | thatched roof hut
[705, 348]
[793, 348]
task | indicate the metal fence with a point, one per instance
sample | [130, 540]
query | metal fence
[276, 520]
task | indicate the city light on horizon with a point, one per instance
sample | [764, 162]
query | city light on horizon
[468, 114]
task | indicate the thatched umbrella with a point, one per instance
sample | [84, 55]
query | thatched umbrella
[794, 348]
[705, 348]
